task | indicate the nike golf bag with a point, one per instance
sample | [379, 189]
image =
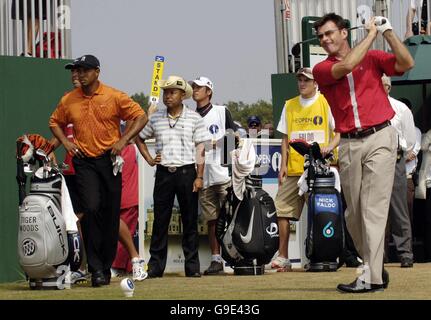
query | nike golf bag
[325, 229]
[46, 250]
[247, 229]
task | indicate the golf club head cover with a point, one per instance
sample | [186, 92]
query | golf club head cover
[382, 24]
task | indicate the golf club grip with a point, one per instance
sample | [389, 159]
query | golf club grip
[380, 22]
[383, 21]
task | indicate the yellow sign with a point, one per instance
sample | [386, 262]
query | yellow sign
[157, 75]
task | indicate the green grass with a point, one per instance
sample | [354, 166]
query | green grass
[413, 283]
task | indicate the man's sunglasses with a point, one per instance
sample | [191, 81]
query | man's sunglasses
[326, 33]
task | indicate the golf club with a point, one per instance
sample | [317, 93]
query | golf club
[296, 49]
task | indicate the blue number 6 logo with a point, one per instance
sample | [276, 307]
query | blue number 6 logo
[328, 231]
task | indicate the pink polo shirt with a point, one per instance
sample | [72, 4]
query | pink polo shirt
[358, 100]
[129, 175]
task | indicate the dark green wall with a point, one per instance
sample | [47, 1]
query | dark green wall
[420, 97]
[284, 86]
[29, 91]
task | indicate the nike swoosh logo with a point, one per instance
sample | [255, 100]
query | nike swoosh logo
[247, 237]
[269, 215]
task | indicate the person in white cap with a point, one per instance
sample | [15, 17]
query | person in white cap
[217, 121]
[180, 153]
[307, 117]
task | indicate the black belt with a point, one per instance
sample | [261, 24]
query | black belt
[173, 169]
[400, 154]
[366, 132]
[103, 155]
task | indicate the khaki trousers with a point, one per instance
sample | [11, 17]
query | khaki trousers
[367, 169]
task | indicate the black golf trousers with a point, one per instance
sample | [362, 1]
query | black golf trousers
[99, 192]
[167, 186]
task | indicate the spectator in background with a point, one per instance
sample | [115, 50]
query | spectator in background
[411, 165]
[418, 21]
[20, 6]
[399, 224]
[270, 127]
[254, 126]
[426, 178]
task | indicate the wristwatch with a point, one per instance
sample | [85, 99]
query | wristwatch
[200, 178]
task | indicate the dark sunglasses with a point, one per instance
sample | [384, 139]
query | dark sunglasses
[326, 33]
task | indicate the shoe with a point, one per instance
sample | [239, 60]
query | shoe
[194, 275]
[406, 263]
[107, 274]
[138, 268]
[97, 279]
[360, 286]
[214, 268]
[151, 274]
[281, 264]
[385, 278]
[78, 277]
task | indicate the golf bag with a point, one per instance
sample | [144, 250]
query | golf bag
[46, 249]
[247, 229]
[325, 229]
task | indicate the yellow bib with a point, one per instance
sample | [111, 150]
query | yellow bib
[308, 123]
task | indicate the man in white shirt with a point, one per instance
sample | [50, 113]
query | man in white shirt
[398, 218]
[411, 164]
[216, 178]
[425, 178]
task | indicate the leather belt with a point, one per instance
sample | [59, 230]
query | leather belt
[400, 154]
[366, 132]
[172, 169]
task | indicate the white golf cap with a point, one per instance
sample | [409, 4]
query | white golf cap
[306, 72]
[203, 82]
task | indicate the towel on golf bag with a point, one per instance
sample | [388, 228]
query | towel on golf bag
[243, 162]
[303, 186]
[67, 212]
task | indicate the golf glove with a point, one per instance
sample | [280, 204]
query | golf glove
[382, 24]
[117, 163]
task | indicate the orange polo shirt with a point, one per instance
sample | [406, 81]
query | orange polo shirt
[96, 118]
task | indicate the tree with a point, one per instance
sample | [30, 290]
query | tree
[241, 111]
[142, 99]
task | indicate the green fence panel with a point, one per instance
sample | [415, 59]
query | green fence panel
[29, 91]
[284, 87]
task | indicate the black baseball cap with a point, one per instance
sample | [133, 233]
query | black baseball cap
[253, 119]
[87, 61]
